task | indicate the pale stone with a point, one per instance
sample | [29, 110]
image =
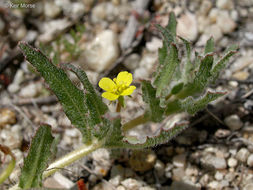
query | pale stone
[233, 122]
[102, 52]
[242, 155]
[232, 162]
[179, 160]
[216, 162]
[187, 26]
[250, 160]
[31, 90]
[58, 181]
[131, 184]
[225, 22]
[51, 10]
[225, 4]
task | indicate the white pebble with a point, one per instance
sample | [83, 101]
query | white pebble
[250, 160]
[102, 52]
[232, 162]
[233, 122]
[242, 155]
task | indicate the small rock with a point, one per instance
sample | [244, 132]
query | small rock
[248, 187]
[187, 26]
[230, 176]
[242, 155]
[51, 10]
[225, 4]
[232, 162]
[205, 7]
[225, 18]
[222, 133]
[191, 171]
[168, 169]
[219, 176]
[7, 116]
[31, 90]
[215, 31]
[15, 85]
[147, 188]
[131, 184]
[159, 168]
[12, 137]
[142, 160]
[120, 188]
[216, 162]
[179, 160]
[19, 33]
[214, 185]
[241, 75]
[103, 186]
[102, 52]
[154, 44]
[146, 66]
[178, 173]
[101, 160]
[58, 181]
[233, 122]
[132, 61]
[52, 28]
[250, 160]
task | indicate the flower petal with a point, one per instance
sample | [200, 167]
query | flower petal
[125, 77]
[128, 91]
[107, 84]
[110, 96]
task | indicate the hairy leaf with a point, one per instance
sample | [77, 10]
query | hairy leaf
[188, 66]
[164, 136]
[177, 88]
[209, 48]
[114, 137]
[36, 161]
[221, 65]
[94, 102]
[201, 79]
[194, 105]
[71, 98]
[163, 78]
[154, 112]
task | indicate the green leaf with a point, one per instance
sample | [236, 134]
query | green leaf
[209, 48]
[201, 80]
[71, 98]
[177, 88]
[173, 107]
[165, 136]
[188, 67]
[172, 25]
[89, 89]
[164, 78]
[114, 136]
[194, 105]
[36, 161]
[154, 111]
[221, 65]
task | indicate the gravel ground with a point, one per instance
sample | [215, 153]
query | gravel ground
[216, 152]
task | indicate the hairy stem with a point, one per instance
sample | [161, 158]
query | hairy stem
[5, 174]
[68, 159]
[133, 123]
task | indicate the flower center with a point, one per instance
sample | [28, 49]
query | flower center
[121, 86]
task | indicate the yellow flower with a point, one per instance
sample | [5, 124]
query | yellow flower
[117, 87]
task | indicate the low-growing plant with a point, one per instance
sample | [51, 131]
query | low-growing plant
[177, 86]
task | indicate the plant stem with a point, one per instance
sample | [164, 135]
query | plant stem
[133, 123]
[5, 174]
[67, 160]
[70, 158]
